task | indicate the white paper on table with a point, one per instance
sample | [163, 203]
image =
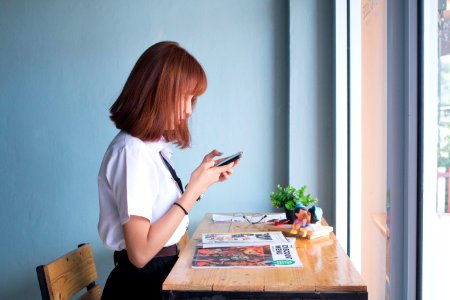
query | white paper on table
[259, 218]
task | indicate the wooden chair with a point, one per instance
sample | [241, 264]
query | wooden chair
[68, 275]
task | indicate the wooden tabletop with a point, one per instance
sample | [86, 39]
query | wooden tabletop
[326, 269]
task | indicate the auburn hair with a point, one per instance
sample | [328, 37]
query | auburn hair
[149, 103]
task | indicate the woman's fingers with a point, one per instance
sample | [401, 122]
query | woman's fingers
[208, 173]
[208, 164]
[224, 175]
[235, 163]
[225, 168]
[211, 155]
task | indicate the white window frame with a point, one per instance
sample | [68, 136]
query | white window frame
[341, 123]
[355, 134]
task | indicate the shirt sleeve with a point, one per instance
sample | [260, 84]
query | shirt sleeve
[136, 188]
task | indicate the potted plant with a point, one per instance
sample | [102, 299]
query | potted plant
[288, 197]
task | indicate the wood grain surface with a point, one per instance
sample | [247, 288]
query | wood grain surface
[326, 268]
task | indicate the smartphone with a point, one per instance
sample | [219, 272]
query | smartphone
[230, 159]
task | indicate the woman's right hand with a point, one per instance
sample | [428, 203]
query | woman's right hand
[207, 174]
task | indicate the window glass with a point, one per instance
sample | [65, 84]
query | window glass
[443, 146]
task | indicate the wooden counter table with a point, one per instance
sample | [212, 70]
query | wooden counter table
[327, 272]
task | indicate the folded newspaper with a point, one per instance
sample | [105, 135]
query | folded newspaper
[235, 239]
[246, 250]
[270, 255]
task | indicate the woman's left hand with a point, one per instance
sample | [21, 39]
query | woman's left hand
[210, 156]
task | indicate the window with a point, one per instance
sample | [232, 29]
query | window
[435, 119]
[443, 120]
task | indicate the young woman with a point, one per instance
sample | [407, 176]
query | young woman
[143, 207]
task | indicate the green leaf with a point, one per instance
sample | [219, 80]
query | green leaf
[289, 196]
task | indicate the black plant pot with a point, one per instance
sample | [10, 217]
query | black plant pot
[290, 215]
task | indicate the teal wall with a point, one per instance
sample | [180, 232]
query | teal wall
[311, 105]
[63, 63]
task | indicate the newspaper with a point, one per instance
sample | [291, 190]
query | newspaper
[236, 239]
[270, 255]
[252, 218]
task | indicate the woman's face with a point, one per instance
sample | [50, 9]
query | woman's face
[186, 107]
[185, 110]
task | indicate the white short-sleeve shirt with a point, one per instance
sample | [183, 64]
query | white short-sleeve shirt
[133, 180]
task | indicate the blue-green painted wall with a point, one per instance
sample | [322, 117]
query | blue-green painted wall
[63, 63]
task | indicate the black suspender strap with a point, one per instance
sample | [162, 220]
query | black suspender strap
[173, 173]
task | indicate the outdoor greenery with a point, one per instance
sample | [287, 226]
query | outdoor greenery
[443, 153]
[444, 101]
[443, 147]
[289, 196]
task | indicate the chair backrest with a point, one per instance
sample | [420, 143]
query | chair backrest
[69, 274]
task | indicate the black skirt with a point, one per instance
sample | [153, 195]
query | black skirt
[128, 282]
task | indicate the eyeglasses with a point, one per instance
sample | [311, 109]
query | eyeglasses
[252, 219]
